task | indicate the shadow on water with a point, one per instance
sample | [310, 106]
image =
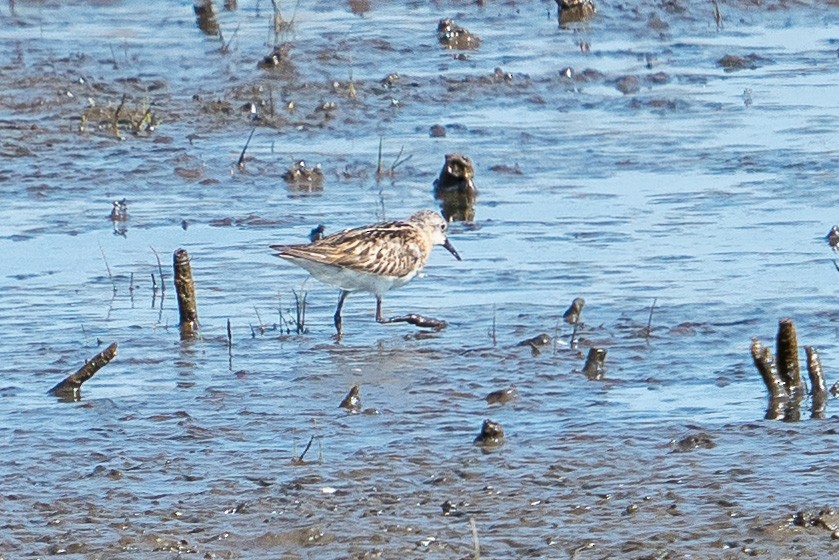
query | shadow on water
[668, 166]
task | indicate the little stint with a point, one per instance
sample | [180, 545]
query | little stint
[374, 259]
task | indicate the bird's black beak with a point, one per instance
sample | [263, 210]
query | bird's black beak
[450, 248]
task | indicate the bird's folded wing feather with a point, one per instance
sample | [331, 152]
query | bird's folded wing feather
[386, 250]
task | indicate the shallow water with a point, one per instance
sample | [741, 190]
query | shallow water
[707, 192]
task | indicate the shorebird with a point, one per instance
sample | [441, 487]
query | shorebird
[373, 259]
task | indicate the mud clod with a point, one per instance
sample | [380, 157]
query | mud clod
[302, 178]
[575, 10]
[455, 188]
[452, 36]
[492, 434]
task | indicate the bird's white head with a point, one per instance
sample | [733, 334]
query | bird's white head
[435, 226]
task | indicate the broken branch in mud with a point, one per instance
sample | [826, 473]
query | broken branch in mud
[786, 355]
[380, 171]
[784, 383]
[185, 290]
[817, 382]
[765, 364]
[70, 388]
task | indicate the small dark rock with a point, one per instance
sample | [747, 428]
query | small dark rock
[352, 401]
[455, 188]
[832, 238]
[538, 340]
[628, 84]
[731, 62]
[277, 59]
[303, 178]
[452, 36]
[575, 10]
[572, 314]
[317, 233]
[502, 396]
[492, 434]
[594, 367]
[699, 440]
[437, 131]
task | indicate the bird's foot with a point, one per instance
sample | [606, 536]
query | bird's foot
[417, 320]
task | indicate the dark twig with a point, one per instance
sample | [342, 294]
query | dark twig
[241, 163]
[717, 14]
[493, 332]
[160, 271]
[380, 172]
[300, 304]
[108, 268]
[649, 329]
[300, 459]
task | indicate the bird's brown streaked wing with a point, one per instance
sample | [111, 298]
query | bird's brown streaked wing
[387, 249]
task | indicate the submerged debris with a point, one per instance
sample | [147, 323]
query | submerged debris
[278, 59]
[119, 211]
[502, 396]
[731, 62]
[302, 178]
[352, 401]
[205, 17]
[575, 10]
[122, 118]
[536, 343]
[594, 368]
[455, 188]
[832, 238]
[317, 233]
[572, 314]
[699, 440]
[492, 434]
[452, 36]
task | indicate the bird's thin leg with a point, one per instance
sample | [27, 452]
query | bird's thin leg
[379, 317]
[338, 320]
